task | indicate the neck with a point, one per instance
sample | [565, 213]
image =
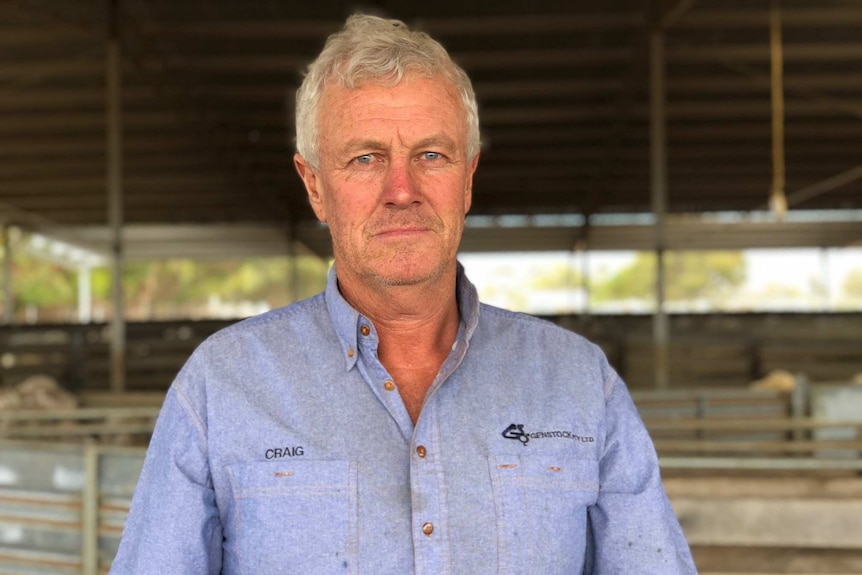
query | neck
[424, 312]
[416, 326]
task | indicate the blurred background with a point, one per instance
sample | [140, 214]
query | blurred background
[678, 180]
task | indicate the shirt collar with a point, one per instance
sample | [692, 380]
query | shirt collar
[346, 320]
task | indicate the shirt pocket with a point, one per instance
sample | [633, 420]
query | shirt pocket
[541, 506]
[293, 517]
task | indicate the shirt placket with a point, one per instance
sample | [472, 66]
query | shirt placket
[380, 380]
[428, 491]
[427, 482]
[432, 551]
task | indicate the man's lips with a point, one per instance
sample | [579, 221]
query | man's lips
[401, 231]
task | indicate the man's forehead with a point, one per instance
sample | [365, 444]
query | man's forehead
[333, 88]
[426, 108]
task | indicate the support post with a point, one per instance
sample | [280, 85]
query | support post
[115, 196]
[777, 198]
[90, 511]
[582, 249]
[825, 294]
[658, 186]
[85, 294]
[8, 295]
[800, 405]
[586, 281]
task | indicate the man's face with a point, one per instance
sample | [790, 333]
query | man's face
[394, 181]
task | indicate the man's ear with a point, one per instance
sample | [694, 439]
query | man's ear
[468, 192]
[312, 186]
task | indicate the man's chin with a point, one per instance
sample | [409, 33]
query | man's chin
[405, 274]
[403, 279]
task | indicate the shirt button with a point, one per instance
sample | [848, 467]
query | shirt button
[349, 352]
[428, 529]
[388, 385]
[364, 330]
[420, 451]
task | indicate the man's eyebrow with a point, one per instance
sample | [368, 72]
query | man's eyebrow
[362, 144]
[436, 140]
[367, 144]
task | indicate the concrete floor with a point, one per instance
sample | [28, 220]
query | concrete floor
[764, 525]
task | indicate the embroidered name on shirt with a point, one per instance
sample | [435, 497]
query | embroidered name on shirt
[281, 452]
[516, 431]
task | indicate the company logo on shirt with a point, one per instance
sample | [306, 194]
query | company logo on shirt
[516, 431]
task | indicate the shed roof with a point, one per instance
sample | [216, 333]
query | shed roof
[563, 88]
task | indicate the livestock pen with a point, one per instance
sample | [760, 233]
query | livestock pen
[757, 486]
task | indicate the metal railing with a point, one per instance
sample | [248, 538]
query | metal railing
[749, 430]
[65, 493]
[63, 506]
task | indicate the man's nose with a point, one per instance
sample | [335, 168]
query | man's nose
[400, 188]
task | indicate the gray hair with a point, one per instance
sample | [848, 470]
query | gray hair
[374, 49]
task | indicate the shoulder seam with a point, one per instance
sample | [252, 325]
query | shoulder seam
[610, 383]
[193, 415]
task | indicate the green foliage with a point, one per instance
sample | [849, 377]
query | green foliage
[688, 275]
[166, 288]
[636, 280]
[156, 287]
[40, 283]
[558, 275]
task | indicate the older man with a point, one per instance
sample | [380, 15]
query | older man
[393, 424]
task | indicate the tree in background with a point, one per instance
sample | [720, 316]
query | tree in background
[556, 276]
[187, 288]
[689, 276]
[45, 285]
[43, 289]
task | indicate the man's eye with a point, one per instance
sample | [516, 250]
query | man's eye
[431, 156]
[364, 159]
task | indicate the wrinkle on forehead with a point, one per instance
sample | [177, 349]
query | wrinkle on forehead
[375, 106]
[438, 141]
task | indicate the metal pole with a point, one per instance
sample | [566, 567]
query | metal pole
[825, 280]
[582, 249]
[777, 199]
[90, 511]
[8, 296]
[85, 295]
[800, 400]
[586, 280]
[658, 170]
[115, 196]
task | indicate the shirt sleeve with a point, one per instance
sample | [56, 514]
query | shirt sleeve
[633, 526]
[173, 524]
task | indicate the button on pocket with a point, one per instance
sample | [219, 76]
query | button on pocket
[293, 517]
[541, 503]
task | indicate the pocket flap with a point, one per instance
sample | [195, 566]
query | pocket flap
[551, 471]
[279, 478]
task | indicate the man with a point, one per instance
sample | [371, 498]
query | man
[392, 424]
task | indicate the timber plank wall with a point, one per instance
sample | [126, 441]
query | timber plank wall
[705, 350]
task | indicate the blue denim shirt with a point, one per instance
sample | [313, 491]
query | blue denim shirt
[283, 447]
